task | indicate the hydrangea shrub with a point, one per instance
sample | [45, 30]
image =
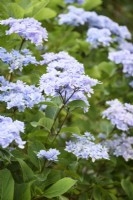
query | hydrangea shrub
[65, 71]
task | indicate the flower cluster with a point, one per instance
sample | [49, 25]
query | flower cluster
[16, 59]
[75, 16]
[124, 57]
[98, 37]
[120, 146]
[19, 94]
[124, 45]
[84, 147]
[10, 132]
[74, 1]
[65, 77]
[120, 115]
[27, 28]
[51, 154]
[108, 30]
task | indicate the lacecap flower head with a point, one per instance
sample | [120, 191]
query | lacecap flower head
[84, 147]
[10, 132]
[27, 28]
[51, 154]
[19, 94]
[66, 78]
[120, 115]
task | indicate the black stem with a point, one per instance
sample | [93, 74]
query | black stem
[21, 45]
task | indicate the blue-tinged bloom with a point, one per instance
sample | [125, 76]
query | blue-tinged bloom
[120, 115]
[74, 1]
[73, 17]
[99, 37]
[120, 145]
[65, 77]
[102, 31]
[125, 58]
[10, 132]
[19, 95]
[28, 28]
[85, 147]
[16, 59]
[124, 45]
[51, 154]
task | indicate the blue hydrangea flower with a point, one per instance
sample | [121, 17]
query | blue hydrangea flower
[113, 33]
[125, 58]
[120, 115]
[65, 77]
[51, 154]
[27, 28]
[19, 94]
[16, 59]
[85, 147]
[120, 145]
[10, 132]
[124, 45]
[73, 17]
[99, 37]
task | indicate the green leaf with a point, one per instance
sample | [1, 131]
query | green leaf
[77, 103]
[38, 6]
[70, 130]
[49, 103]
[44, 122]
[45, 13]
[63, 198]
[51, 112]
[59, 188]
[27, 172]
[33, 147]
[127, 187]
[97, 193]
[108, 67]
[15, 10]
[89, 4]
[22, 191]
[6, 185]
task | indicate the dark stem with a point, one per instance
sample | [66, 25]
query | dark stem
[62, 107]
[61, 126]
[21, 45]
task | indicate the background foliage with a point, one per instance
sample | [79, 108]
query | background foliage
[22, 174]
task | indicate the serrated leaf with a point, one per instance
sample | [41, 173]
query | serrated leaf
[6, 185]
[59, 188]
